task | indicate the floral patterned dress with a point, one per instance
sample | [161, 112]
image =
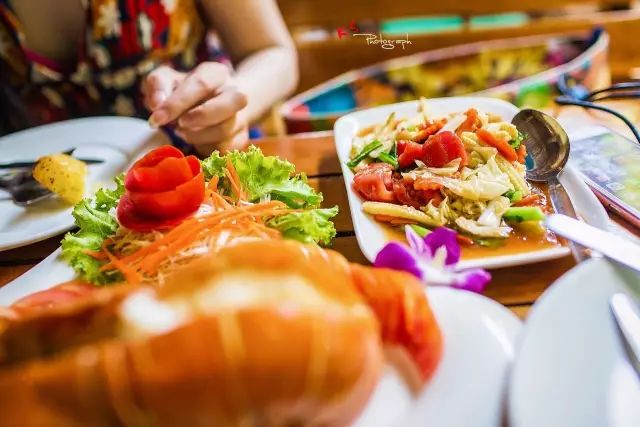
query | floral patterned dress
[125, 39]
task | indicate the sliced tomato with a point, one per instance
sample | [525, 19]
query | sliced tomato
[164, 176]
[129, 218]
[374, 182]
[442, 148]
[406, 194]
[412, 151]
[185, 199]
[400, 146]
[155, 156]
[55, 296]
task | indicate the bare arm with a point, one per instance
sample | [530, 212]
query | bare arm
[256, 38]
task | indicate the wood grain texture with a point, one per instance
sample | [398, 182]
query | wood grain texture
[317, 59]
[340, 12]
[522, 311]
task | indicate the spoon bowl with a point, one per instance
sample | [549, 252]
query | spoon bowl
[547, 144]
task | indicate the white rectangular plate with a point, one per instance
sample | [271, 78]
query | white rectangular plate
[371, 235]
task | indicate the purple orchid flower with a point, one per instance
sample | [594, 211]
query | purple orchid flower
[432, 259]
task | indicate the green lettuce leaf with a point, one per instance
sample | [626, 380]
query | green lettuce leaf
[265, 177]
[311, 226]
[96, 221]
[213, 165]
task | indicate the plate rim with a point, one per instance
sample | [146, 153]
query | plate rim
[82, 121]
[562, 285]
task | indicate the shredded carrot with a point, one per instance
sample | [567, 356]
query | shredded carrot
[470, 123]
[501, 145]
[531, 199]
[464, 240]
[427, 184]
[130, 274]
[99, 255]
[241, 220]
[522, 153]
[234, 179]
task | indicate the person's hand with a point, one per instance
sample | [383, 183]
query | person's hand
[205, 106]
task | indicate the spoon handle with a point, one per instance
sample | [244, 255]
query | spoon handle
[562, 204]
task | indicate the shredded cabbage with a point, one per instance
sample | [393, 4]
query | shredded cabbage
[473, 227]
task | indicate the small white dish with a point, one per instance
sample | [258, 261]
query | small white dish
[469, 387]
[116, 140]
[571, 369]
[371, 235]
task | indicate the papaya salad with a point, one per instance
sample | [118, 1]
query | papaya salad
[463, 170]
[169, 209]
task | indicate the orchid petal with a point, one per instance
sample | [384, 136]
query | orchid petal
[417, 243]
[398, 257]
[444, 237]
[474, 280]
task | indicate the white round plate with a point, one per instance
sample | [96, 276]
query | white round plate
[116, 140]
[571, 369]
[371, 236]
[467, 390]
[469, 387]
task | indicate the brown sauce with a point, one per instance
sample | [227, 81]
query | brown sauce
[521, 239]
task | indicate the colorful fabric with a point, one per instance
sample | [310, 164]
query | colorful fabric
[125, 39]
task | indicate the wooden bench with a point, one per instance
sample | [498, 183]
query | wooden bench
[325, 57]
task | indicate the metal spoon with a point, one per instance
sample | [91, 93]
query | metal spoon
[548, 152]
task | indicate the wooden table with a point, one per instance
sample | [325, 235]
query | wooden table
[515, 287]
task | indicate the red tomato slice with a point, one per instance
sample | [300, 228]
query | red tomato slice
[185, 199]
[442, 148]
[374, 182]
[166, 175]
[412, 152]
[155, 156]
[55, 296]
[129, 218]
[400, 146]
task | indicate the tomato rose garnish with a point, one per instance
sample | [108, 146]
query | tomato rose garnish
[162, 189]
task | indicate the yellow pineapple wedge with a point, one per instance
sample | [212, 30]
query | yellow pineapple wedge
[63, 175]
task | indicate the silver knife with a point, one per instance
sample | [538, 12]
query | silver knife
[604, 242]
[627, 317]
[562, 204]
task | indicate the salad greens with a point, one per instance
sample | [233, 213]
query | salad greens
[366, 150]
[262, 178]
[517, 141]
[265, 177]
[96, 221]
[307, 226]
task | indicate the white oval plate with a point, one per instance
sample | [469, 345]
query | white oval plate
[571, 369]
[116, 140]
[371, 236]
[467, 390]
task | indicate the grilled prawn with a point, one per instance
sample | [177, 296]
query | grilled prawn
[266, 332]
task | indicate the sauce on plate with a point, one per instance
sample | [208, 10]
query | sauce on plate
[520, 240]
